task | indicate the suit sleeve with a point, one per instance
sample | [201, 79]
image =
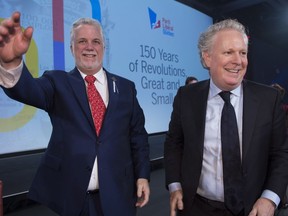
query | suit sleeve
[37, 92]
[173, 145]
[139, 140]
[277, 177]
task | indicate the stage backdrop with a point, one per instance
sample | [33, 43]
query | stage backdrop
[153, 43]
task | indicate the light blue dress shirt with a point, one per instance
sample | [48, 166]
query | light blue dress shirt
[211, 180]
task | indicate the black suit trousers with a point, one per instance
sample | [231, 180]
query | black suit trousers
[92, 205]
[204, 207]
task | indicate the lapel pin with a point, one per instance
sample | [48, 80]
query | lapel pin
[115, 88]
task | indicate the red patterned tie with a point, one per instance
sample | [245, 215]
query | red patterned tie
[97, 105]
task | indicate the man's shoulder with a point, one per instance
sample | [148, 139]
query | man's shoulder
[259, 90]
[198, 86]
[115, 78]
[55, 72]
[257, 85]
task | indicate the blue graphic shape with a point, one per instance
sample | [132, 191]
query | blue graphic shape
[96, 10]
[153, 17]
[59, 60]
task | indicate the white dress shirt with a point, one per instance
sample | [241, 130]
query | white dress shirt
[102, 87]
[9, 78]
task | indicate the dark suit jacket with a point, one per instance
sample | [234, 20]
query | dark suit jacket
[265, 151]
[122, 148]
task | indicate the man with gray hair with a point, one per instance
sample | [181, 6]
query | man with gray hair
[97, 160]
[226, 152]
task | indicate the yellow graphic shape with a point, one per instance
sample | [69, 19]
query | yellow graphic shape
[27, 112]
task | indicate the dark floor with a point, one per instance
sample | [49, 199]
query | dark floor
[157, 206]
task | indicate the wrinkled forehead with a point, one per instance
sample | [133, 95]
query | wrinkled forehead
[88, 31]
[230, 34]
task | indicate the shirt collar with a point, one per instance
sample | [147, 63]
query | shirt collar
[214, 90]
[100, 76]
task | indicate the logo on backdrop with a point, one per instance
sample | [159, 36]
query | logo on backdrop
[164, 23]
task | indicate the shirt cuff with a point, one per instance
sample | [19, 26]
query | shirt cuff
[9, 78]
[268, 194]
[174, 186]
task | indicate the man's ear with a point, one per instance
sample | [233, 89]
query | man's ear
[207, 59]
[71, 49]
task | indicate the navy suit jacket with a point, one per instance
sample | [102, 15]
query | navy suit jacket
[122, 148]
[264, 154]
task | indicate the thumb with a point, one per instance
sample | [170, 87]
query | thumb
[28, 32]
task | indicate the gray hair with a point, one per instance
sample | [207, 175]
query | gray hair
[86, 21]
[205, 41]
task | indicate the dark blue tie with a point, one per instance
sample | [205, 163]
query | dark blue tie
[232, 169]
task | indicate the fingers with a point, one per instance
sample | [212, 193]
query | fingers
[16, 17]
[7, 26]
[4, 32]
[178, 205]
[14, 42]
[13, 22]
[176, 202]
[11, 26]
[253, 212]
[28, 32]
[263, 206]
[143, 192]
[142, 200]
[173, 209]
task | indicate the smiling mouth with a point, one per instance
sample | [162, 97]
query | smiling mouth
[89, 55]
[233, 70]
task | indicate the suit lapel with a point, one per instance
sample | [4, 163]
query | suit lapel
[200, 98]
[114, 91]
[79, 90]
[250, 110]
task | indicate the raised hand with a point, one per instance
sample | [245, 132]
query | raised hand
[14, 42]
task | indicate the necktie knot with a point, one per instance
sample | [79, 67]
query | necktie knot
[90, 79]
[225, 95]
